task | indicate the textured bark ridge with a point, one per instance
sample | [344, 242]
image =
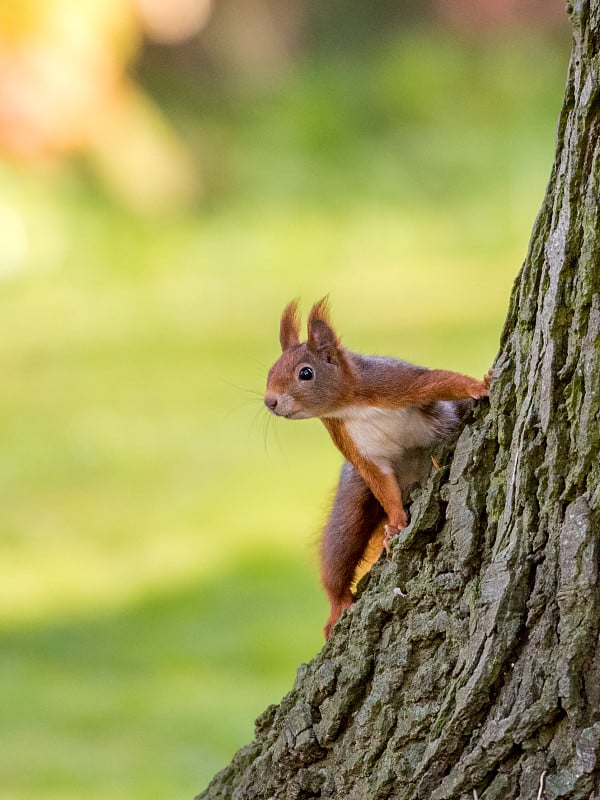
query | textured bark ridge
[472, 660]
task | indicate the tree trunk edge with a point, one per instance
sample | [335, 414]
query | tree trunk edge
[472, 661]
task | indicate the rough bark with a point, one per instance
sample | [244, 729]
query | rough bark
[472, 659]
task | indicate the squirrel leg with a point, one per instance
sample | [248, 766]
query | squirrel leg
[355, 515]
[385, 487]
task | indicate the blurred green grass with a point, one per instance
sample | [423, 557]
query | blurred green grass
[159, 580]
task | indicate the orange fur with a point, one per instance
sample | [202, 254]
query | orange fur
[289, 327]
[383, 485]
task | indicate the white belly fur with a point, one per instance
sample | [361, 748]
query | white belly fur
[383, 435]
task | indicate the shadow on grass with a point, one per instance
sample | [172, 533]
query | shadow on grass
[151, 700]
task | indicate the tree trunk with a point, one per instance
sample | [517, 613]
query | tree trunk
[471, 662]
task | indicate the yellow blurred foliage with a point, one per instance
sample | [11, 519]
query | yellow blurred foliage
[61, 66]
[64, 88]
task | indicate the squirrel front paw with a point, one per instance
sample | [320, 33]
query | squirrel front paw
[393, 530]
[479, 389]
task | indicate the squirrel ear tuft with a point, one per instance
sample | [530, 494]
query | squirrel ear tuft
[289, 327]
[321, 336]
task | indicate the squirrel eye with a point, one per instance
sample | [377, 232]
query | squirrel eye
[306, 374]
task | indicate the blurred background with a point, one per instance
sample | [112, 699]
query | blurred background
[172, 172]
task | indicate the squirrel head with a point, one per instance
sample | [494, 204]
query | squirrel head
[311, 378]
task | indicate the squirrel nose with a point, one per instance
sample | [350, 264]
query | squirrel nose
[271, 401]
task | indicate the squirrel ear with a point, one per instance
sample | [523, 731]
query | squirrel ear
[321, 336]
[289, 327]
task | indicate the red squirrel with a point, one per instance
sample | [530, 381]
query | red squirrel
[383, 414]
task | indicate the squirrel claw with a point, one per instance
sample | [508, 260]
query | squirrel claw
[482, 388]
[390, 532]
